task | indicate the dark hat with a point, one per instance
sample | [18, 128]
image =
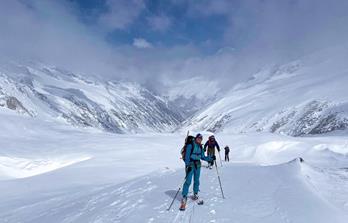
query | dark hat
[199, 135]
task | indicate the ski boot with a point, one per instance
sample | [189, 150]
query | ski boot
[194, 197]
[183, 204]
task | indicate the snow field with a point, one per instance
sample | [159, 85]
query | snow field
[133, 178]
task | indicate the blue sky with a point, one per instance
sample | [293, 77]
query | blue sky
[160, 22]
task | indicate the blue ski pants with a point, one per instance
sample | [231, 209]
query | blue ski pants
[195, 172]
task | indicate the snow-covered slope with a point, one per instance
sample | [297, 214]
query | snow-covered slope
[45, 92]
[53, 172]
[307, 96]
[261, 184]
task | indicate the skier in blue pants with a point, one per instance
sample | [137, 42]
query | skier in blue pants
[194, 155]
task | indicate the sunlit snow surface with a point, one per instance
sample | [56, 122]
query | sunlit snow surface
[16, 167]
[53, 173]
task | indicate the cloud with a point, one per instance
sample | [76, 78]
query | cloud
[278, 29]
[121, 14]
[49, 32]
[260, 32]
[141, 43]
[159, 23]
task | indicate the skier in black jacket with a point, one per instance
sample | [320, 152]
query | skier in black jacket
[227, 152]
[211, 144]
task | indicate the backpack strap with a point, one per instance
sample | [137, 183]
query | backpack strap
[193, 147]
[196, 153]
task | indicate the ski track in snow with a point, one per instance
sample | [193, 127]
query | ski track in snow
[253, 194]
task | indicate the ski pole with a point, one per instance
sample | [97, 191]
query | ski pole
[177, 192]
[171, 204]
[222, 192]
[220, 158]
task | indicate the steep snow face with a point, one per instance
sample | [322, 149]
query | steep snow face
[51, 93]
[308, 96]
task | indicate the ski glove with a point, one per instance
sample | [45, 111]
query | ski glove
[188, 169]
[213, 157]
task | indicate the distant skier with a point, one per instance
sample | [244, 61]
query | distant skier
[194, 153]
[227, 152]
[211, 144]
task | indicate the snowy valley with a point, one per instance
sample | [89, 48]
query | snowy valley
[68, 155]
[105, 106]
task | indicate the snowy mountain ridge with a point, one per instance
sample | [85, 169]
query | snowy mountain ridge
[44, 92]
[306, 96]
